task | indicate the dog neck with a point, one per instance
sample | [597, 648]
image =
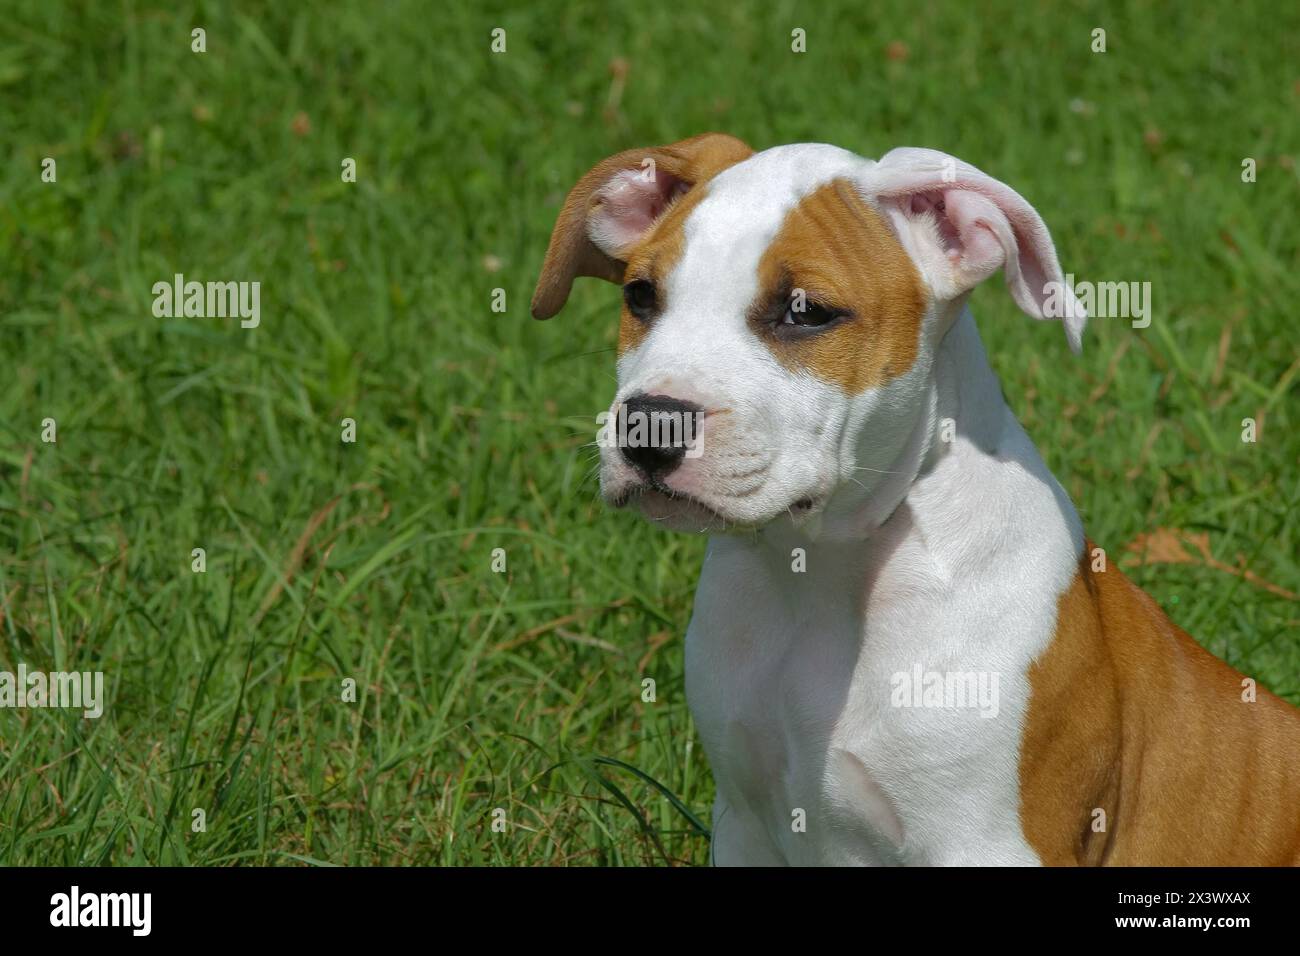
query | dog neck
[789, 674]
[968, 483]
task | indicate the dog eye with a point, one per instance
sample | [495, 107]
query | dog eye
[811, 315]
[640, 297]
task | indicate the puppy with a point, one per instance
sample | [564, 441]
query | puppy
[903, 650]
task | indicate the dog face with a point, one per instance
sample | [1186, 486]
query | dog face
[780, 315]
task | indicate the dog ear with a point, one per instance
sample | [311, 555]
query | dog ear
[615, 204]
[962, 226]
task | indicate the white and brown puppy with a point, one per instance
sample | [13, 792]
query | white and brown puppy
[809, 306]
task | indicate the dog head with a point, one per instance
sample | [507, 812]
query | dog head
[781, 311]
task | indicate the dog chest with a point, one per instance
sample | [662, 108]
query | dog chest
[837, 741]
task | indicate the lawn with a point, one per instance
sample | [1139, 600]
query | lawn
[515, 697]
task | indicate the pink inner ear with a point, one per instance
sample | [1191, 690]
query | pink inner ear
[992, 221]
[935, 202]
[986, 241]
[627, 206]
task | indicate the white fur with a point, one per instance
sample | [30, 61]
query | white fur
[788, 675]
[950, 556]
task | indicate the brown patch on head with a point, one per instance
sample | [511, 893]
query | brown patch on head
[571, 253]
[843, 254]
[653, 258]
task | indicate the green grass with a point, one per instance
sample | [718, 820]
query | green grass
[372, 561]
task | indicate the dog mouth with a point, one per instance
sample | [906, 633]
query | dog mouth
[662, 504]
[656, 492]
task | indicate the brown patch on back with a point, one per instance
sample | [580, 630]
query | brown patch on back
[842, 253]
[1130, 715]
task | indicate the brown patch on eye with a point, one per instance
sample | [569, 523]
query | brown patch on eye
[844, 255]
[652, 259]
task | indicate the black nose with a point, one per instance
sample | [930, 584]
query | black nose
[655, 432]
